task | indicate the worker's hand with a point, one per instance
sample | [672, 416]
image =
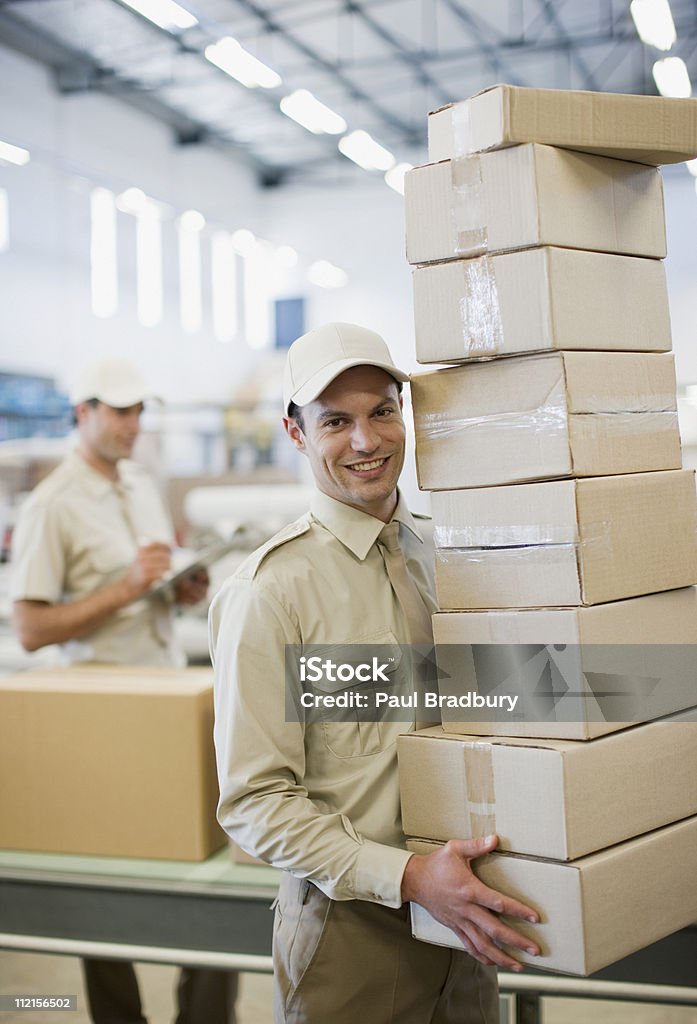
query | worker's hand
[150, 565]
[193, 588]
[443, 882]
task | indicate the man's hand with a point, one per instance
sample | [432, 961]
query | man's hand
[443, 882]
[150, 565]
[192, 589]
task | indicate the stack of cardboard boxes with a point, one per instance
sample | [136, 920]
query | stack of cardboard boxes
[564, 526]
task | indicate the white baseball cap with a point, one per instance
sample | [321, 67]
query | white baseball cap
[115, 382]
[318, 357]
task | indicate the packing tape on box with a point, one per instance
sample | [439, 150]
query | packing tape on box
[550, 417]
[475, 542]
[460, 121]
[475, 537]
[479, 785]
[480, 310]
[470, 230]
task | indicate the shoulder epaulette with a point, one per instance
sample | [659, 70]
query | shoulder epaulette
[288, 533]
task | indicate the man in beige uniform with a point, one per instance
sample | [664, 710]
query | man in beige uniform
[322, 800]
[91, 540]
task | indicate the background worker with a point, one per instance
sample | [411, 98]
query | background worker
[91, 540]
[322, 800]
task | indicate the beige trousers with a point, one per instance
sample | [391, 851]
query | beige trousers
[352, 962]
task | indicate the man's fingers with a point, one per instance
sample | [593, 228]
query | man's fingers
[155, 547]
[500, 932]
[500, 904]
[471, 848]
[488, 952]
[471, 948]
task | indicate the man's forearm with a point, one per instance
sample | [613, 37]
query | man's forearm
[38, 623]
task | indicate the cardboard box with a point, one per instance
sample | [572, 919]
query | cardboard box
[566, 542]
[539, 299]
[109, 761]
[530, 196]
[594, 910]
[541, 417]
[461, 787]
[580, 673]
[648, 129]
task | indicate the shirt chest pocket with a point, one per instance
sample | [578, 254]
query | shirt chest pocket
[352, 674]
[112, 557]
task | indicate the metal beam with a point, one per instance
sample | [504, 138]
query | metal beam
[553, 19]
[387, 116]
[512, 47]
[76, 71]
[488, 49]
[414, 62]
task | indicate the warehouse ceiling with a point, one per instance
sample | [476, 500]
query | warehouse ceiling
[381, 64]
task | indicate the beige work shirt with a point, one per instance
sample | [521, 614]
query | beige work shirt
[320, 800]
[79, 531]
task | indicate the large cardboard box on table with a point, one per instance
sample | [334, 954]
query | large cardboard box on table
[565, 542]
[549, 798]
[539, 299]
[579, 673]
[530, 196]
[647, 129]
[594, 910]
[541, 417]
[109, 761]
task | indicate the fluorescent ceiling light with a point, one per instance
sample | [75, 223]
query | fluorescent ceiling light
[672, 78]
[307, 110]
[14, 154]
[395, 177]
[286, 257]
[149, 298]
[190, 298]
[244, 241]
[103, 253]
[192, 220]
[326, 275]
[165, 13]
[257, 299]
[691, 166]
[366, 152]
[224, 286]
[132, 200]
[654, 23]
[234, 60]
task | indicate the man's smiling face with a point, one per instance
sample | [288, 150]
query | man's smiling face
[353, 435]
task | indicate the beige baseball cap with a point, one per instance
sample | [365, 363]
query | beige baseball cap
[315, 359]
[115, 382]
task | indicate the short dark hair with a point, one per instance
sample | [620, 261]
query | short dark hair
[295, 413]
[94, 402]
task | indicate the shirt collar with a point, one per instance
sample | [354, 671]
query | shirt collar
[93, 481]
[357, 530]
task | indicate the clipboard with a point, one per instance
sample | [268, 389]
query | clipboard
[204, 559]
